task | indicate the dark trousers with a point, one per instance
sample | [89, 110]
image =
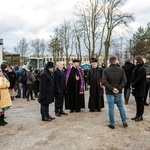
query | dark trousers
[85, 83]
[59, 104]
[24, 90]
[18, 89]
[127, 92]
[30, 91]
[139, 106]
[45, 111]
[146, 93]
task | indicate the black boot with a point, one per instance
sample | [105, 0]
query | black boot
[140, 118]
[1, 122]
[2, 116]
[135, 117]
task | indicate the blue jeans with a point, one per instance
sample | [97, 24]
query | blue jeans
[118, 99]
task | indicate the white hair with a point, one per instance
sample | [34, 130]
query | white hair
[59, 62]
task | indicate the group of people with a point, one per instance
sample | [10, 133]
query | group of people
[55, 83]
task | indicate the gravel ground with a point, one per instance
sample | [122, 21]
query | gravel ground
[76, 131]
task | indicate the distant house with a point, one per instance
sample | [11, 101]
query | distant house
[11, 58]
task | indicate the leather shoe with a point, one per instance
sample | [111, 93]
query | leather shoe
[134, 118]
[32, 99]
[146, 104]
[125, 125]
[91, 110]
[111, 126]
[98, 110]
[71, 111]
[139, 119]
[58, 114]
[46, 119]
[63, 113]
[50, 117]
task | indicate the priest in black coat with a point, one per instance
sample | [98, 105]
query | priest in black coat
[46, 91]
[74, 98]
[95, 86]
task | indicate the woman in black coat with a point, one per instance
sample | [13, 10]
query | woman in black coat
[12, 79]
[138, 87]
[46, 91]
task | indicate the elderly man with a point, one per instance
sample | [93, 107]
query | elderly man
[114, 80]
[59, 81]
[46, 91]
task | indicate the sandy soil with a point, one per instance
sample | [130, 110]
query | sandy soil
[76, 131]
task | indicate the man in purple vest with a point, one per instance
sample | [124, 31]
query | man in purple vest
[74, 98]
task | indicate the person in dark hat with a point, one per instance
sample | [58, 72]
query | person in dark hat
[74, 98]
[96, 99]
[46, 91]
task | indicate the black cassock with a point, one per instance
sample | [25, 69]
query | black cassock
[96, 99]
[74, 100]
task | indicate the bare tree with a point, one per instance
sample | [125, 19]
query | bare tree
[22, 48]
[77, 34]
[89, 15]
[55, 48]
[64, 34]
[38, 46]
[114, 18]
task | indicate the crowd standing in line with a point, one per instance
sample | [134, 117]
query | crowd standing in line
[56, 83]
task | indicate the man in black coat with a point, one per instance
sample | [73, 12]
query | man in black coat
[128, 68]
[46, 91]
[59, 81]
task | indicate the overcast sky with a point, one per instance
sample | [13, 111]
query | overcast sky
[37, 18]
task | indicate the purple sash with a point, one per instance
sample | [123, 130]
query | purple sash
[81, 77]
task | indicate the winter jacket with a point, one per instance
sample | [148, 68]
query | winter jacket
[139, 81]
[18, 73]
[114, 77]
[46, 89]
[30, 77]
[128, 69]
[5, 100]
[147, 69]
[59, 81]
[12, 79]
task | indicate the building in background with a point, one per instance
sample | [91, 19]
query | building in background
[11, 58]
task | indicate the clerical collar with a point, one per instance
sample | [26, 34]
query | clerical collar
[74, 67]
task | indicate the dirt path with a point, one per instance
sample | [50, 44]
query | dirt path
[76, 131]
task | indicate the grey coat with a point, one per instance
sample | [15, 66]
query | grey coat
[30, 77]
